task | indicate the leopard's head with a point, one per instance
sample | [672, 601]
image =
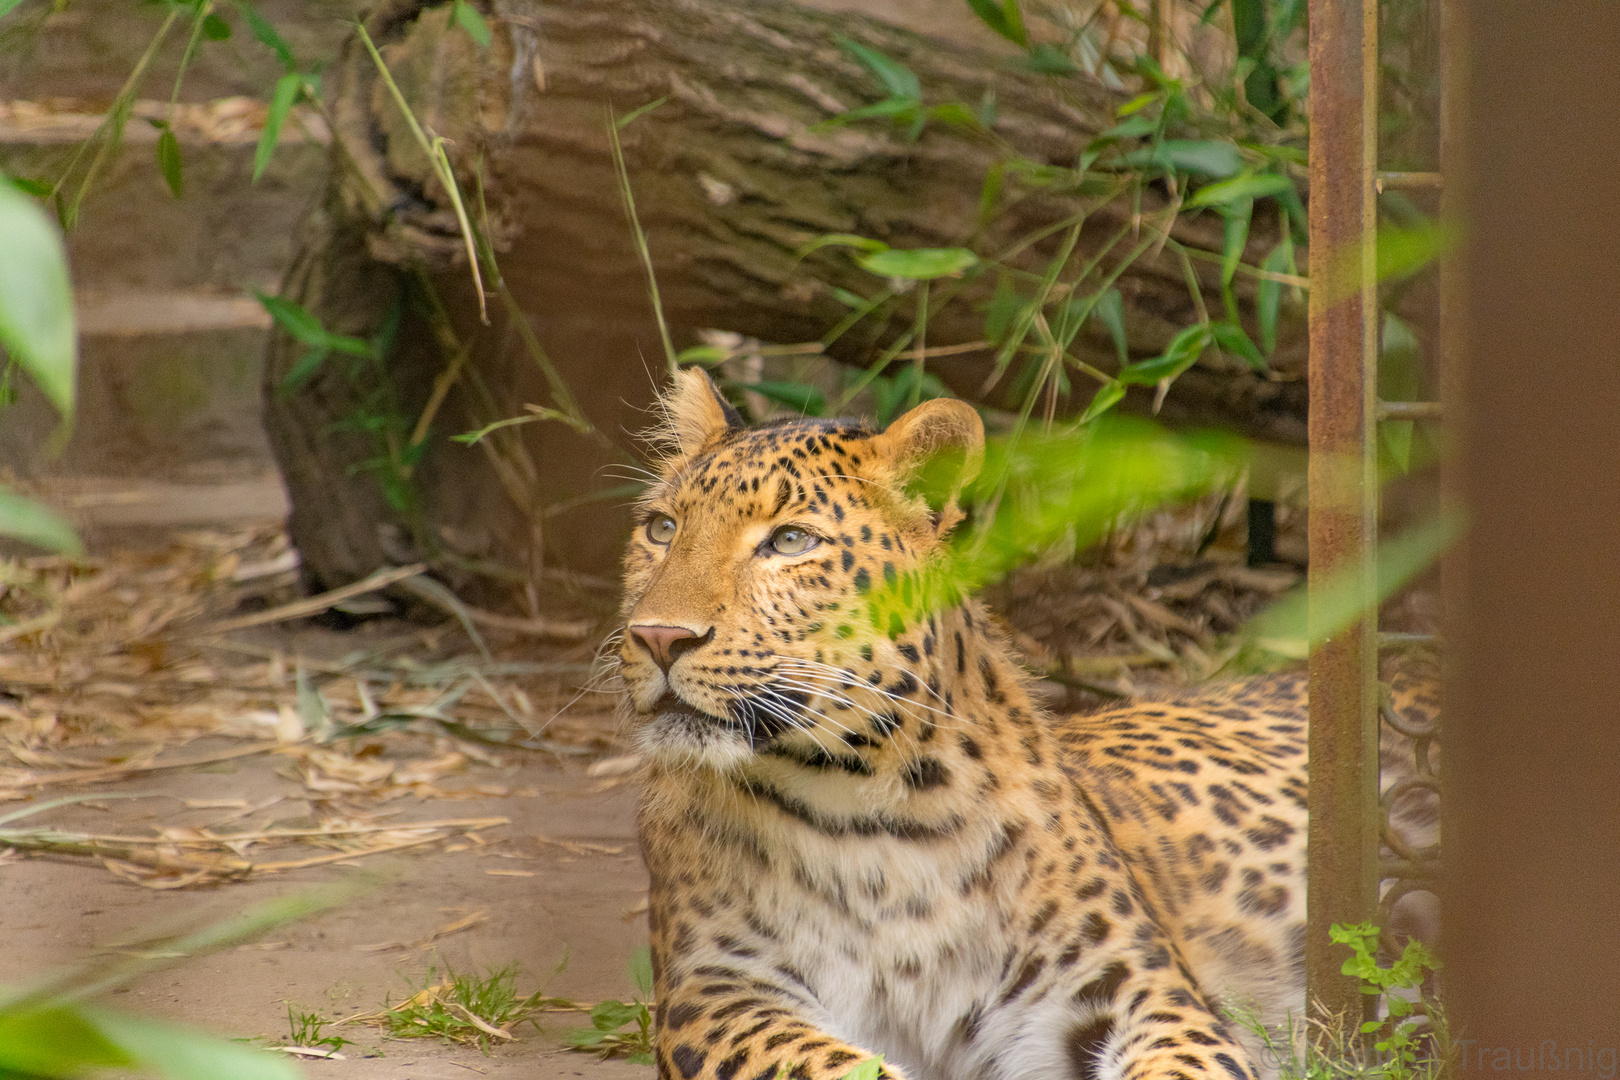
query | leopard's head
[746, 573]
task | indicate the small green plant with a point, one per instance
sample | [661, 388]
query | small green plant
[1412, 1041]
[467, 1008]
[304, 1030]
[1409, 1036]
[623, 1028]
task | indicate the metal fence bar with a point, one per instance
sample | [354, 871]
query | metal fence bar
[1343, 519]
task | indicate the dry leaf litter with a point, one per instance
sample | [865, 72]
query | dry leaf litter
[112, 668]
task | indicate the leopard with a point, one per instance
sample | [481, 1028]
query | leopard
[870, 843]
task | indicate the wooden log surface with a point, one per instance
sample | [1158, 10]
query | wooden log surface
[731, 178]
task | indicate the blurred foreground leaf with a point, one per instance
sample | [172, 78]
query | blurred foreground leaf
[36, 300]
[29, 521]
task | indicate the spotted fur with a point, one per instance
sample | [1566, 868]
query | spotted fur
[868, 844]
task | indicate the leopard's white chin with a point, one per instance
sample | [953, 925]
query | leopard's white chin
[674, 734]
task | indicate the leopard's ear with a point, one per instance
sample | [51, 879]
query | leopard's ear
[696, 416]
[940, 427]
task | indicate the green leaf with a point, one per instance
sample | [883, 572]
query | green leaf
[1137, 103]
[1110, 311]
[897, 109]
[281, 103]
[1269, 301]
[866, 1070]
[1240, 187]
[1399, 379]
[1205, 157]
[1311, 617]
[295, 319]
[39, 189]
[472, 21]
[841, 240]
[807, 399]
[918, 264]
[1183, 351]
[1238, 214]
[215, 28]
[1134, 128]
[266, 34]
[612, 1015]
[301, 370]
[1403, 251]
[1005, 304]
[702, 354]
[181, 1053]
[1006, 19]
[1108, 395]
[954, 112]
[7, 6]
[1235, 340]
[587, 1037]
[28, 521]
[168, 156]
[896, 78]
[641, 971]
[54, 1042]
[1047, 59]
[36, 298]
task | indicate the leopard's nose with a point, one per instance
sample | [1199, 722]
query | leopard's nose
[668, 644]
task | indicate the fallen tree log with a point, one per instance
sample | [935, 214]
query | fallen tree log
[732, 175]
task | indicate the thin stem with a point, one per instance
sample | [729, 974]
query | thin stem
[640, 238]
[438, 161]
[922, 345]
[112, 125]
[203, 11]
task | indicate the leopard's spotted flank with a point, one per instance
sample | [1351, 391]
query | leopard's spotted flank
[870, 844]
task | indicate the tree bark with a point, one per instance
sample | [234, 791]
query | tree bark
[731, 178]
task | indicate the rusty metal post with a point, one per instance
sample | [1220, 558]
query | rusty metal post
[1343, 522]
[1532, 808]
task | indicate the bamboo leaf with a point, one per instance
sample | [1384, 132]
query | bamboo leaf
[1235, 340]
[1006, 19]
[1269, 301]
[1110, 311]
[1183, 351]
[266, 34]
[28, 521]
[918, 264]
[1205, 157]
[169, 164]
[1108, 395]
[470, 19]
[1238, 213]
[1240, 187]
[807, 399]
[281, 103]
[36, 298]
[54, 1041]
[180, 1053]
[899, 80]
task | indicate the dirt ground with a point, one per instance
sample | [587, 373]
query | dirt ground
[111, 689]
[541, 901]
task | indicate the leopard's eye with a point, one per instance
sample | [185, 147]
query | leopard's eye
[792, 540]
[661, 529]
